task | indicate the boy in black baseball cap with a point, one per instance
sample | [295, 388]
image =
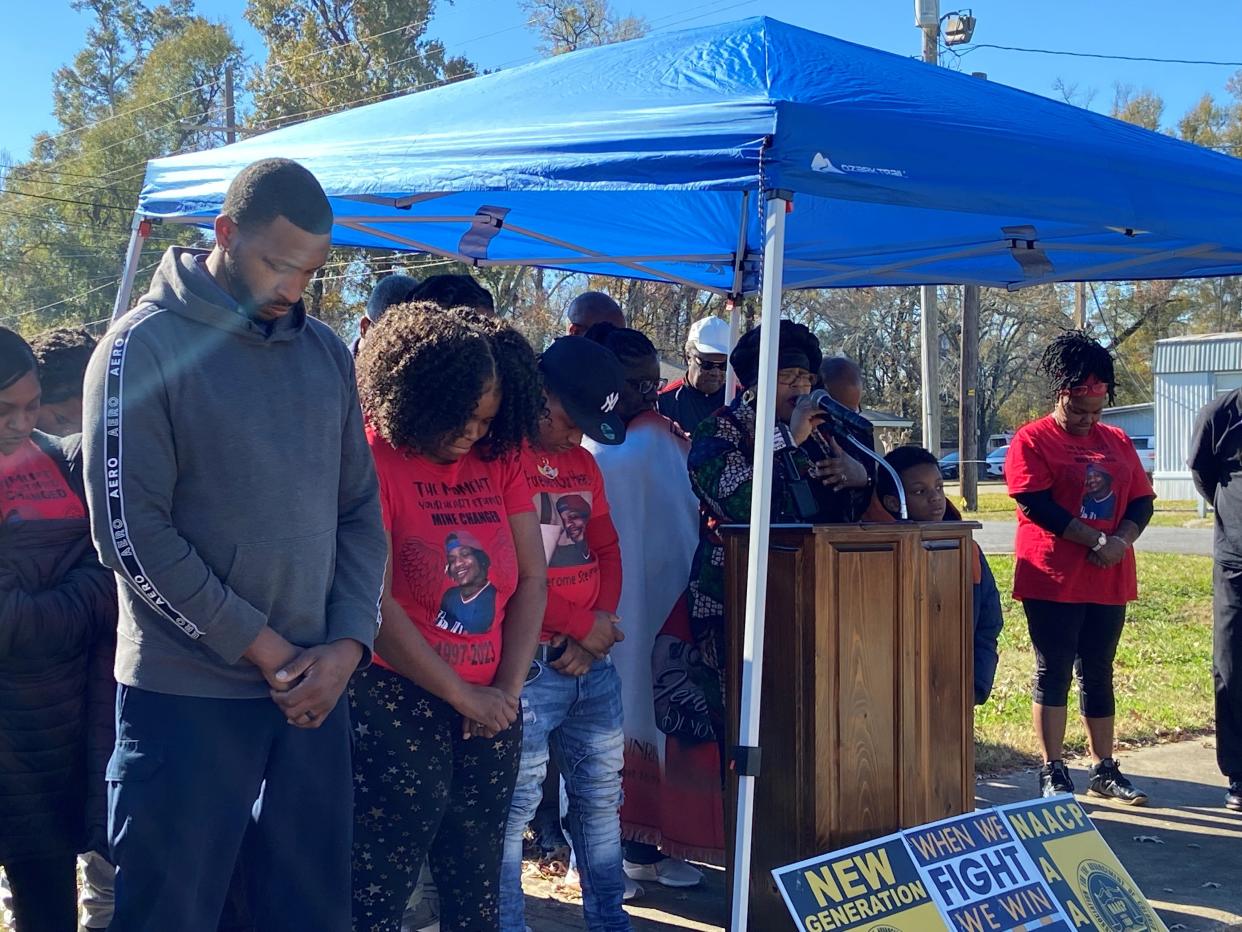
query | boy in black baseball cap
[572, 697]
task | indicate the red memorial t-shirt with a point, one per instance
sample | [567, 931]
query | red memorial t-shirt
[34, 488]
[1094, 478]
[454, 563]
[567, 492]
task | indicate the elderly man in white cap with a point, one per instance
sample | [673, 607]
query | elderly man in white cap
[701, 392]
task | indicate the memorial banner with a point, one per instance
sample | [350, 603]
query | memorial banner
[1038, 865]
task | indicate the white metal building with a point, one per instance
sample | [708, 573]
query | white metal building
[1135, 420]
[1188, 373]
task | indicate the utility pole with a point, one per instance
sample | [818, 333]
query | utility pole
[1080, 306]
[927, 16]
[230, 118]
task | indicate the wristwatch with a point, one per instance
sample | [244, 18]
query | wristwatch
[1099, 544]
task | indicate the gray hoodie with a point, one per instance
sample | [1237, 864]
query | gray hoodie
[230, 486]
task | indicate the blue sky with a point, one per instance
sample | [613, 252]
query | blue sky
[492, 34]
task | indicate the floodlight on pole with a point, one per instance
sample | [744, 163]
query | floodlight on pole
[958, 27]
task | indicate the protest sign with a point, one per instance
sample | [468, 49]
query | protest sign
[874, 886]
[1039, 865]
[1081, 869]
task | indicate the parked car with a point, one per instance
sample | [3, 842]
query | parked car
[996, 441]
[948, 465]
[1146, 449]
[996, 462]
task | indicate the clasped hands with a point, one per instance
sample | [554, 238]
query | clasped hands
[486, 711]
[1112, 553]
[306, 683]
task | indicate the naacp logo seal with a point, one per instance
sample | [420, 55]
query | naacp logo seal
[882, 929]
[1111, 900]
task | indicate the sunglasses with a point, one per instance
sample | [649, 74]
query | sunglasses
[647, 386]
[708, 366]
[1090, 389]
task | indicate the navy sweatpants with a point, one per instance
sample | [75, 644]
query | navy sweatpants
[194, 783]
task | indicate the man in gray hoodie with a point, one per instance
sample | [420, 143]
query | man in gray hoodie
[232, 491]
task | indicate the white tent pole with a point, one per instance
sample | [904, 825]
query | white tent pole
[735, 324]
[757, 558]
[139, 232]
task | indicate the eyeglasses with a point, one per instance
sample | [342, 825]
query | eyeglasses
[1092, 389]
[647, 386]
[794, 379]
[708, 366]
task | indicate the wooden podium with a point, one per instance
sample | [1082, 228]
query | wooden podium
[867, 721]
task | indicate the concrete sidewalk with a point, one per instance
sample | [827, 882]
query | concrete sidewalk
[1184, 850]
[997, 537]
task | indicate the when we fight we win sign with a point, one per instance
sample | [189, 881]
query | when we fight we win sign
[1038, 865]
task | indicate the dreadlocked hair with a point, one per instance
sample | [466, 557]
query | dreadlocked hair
[423, 370]
[626, 344]
[1072, 358]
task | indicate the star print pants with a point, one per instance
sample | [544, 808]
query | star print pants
[421, 790]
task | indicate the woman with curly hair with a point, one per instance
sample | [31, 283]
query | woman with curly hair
[450, 396]
[1083, 499]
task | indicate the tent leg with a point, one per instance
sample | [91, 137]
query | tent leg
[735, 325]
[757, 558]
[139, 232]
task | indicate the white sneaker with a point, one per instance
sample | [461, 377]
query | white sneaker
[632, 890]
[671, 872]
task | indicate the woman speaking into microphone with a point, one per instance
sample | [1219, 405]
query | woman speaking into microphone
[814, 482]
[1083, 499]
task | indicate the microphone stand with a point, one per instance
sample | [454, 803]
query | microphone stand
[901, 493]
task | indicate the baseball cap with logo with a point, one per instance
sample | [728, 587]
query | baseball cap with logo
[587, 379]
[710, 335]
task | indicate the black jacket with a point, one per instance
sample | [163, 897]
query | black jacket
[1216, 465]
[57, 627]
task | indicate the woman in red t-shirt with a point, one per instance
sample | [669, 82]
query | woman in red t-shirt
[450, 396]
[1083, 499]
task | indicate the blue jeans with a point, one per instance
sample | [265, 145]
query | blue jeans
[578, 721]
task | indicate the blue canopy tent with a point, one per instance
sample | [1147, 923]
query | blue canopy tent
[680, 158]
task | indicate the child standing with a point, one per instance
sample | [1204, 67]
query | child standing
[924, 487]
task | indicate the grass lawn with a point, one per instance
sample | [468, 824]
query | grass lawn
[996, 505]
[1163, 670]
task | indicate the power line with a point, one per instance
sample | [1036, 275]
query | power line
[66, 200]
[1139, 58]
[76, 297]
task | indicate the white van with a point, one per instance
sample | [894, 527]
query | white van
[996, 441]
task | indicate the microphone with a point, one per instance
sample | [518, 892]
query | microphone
[844, 424]
[841, 417]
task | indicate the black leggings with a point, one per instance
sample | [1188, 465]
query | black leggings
[422, 791]
[1075, 639]
[45, 893]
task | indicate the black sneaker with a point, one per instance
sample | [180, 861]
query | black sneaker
[1233, 799]
[1054, 778]
[1107, 781]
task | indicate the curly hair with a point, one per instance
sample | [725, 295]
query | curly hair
[62, 355]
[423, 370]
[1072, 358]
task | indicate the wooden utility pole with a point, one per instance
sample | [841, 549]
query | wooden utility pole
[968, 412]
[230, 117]
[930, 324]
[1080, 306]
